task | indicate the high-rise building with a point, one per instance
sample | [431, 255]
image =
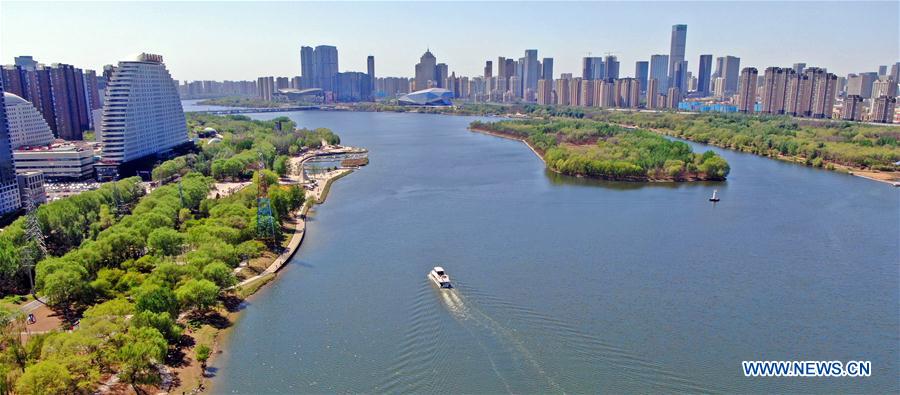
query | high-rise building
[730, 71]
[370, 70]
[282, 83]
[545, 92]
[883, 109]
[531, 71]
[547, 69]
[9, 189]
[307, 68]
[799, 67]
[611, 64]
[488, 69]
[673, 97]
[641, 73]
[659, 65]
[27, 63]
[593, 68]
[885, 86]
[92, 90]
[426, 70]
[325, 63]
[68, 101]
[747, 90]
[679, 76]
[882, 70]
[703, 75]
[441, 71]
[266, 87]
[861, 84]
[652, 92]
[895, 72]
[676, 49]
[575, 91]
[142, 113]
[852, 108]
[604, 94]
[562, 92]
[774, 90]
[352, 87]
[26, 125]
[627, 93]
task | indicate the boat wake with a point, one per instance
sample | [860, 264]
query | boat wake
[476, 342]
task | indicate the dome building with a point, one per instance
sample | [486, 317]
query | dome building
[27, 126]
[428, 97]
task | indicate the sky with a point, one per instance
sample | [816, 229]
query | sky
[245, 40]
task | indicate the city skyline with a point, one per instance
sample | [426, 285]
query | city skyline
[254, 45]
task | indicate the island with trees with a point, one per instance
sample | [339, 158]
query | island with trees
[588, 148]
[144, 279]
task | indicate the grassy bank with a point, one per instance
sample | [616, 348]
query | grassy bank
[587, 148]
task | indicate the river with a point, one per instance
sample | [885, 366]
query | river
[568, 285]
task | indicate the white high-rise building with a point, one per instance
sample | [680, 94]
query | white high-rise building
[26, 125]
[142, 112]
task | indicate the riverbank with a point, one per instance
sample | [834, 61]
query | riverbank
[191, 378]
[542, 112]
[592, 149]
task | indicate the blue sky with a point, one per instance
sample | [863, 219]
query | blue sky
[232, 40]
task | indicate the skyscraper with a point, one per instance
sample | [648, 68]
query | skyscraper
[307, 68]
[612, 68]
[676, 49]
[883, 109]
[658, 69]
[426, 70]
[370, 70]
[66, 87]
[9, 189]
[531, 71]
[488, 69]
[593, 68]
[652, 93]
[562, 92]
[775, 90]
[325, 66]
[26, 63]
[679, 76]
[852, 108]
[25, 124]
[132, 130]
[703, 75]
[641, 72]
[729, 71]
[799, 67]
[547, 69]
[747, 90]
[545, 92]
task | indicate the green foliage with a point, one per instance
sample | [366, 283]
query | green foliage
[202, 353]
[583, 147]
[198, 294]
[45, 377]
[165, 241]
[851, 144]
[156, 298]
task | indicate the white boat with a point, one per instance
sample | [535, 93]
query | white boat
[714, 198]
[440, 277]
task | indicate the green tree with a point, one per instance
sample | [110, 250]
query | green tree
[165, 241]
[143, 348]
[219, 273]
[202, 355]
[156, 298]
[45, 377]
[198, 294]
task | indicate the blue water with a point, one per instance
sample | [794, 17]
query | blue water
[569, 285]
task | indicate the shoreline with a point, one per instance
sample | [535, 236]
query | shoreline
[541, 157]
[253, 284]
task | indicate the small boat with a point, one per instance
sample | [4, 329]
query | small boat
[440, 277]
[714, 198]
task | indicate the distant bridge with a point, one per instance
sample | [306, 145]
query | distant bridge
[257, 110]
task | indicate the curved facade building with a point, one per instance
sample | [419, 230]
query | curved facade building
[26, 125]
[142, 112]
[428, 97]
